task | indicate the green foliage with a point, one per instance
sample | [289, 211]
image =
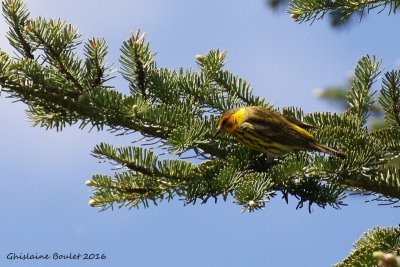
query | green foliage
[177, 110]
[335, 18]
[254, 191]
[388, 137]
[342, 10]
[17, 15]
[382, 239]
[137, 62]
[144, 178]
[337, 93]
[360, 97]
[98, 73]
[390, 98]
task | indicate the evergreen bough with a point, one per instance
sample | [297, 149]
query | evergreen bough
[176, 113]
[340, 10]
[375, 244]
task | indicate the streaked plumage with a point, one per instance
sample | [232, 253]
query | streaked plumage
[266, 131]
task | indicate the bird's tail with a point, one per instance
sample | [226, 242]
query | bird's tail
[330, 151]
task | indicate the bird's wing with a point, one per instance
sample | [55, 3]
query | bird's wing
[277, 128]
[300, 123]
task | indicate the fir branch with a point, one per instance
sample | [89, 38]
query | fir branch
[383, 182]
[240, 88]
[150, 179]
[211, 67]
[16, 14]
[137, 62]
[8, 81]
[35, 85]
[306, 10]
[382, 239]
[390, 97]
[96, 51]
[145, 162]
[129, 189]
[178, 110]
[163, 87]
[388, 138]
[195, 85]
[184, 138]
[254, 191]
[58, 39]
[299, 176]
[360, 97]
[309, 10]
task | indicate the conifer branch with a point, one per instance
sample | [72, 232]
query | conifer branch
[137, 62]
[388, 138]
[360, 98]
[378, 239]
[234, 86]
[306, 10]
[95, 52]
[390, 97]
[16, 15]
[57, 44]
[179, 111]
[384, 180]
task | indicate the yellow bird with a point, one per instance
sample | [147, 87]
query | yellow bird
[264, 130]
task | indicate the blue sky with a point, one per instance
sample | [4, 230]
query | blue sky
[43, 172]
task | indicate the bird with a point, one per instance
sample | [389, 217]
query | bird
[266, 131]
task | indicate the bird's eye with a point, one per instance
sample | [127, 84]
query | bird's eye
[224, 121]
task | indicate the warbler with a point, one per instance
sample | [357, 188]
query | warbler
[264, 130]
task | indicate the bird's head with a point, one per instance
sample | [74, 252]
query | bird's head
[230, 120]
